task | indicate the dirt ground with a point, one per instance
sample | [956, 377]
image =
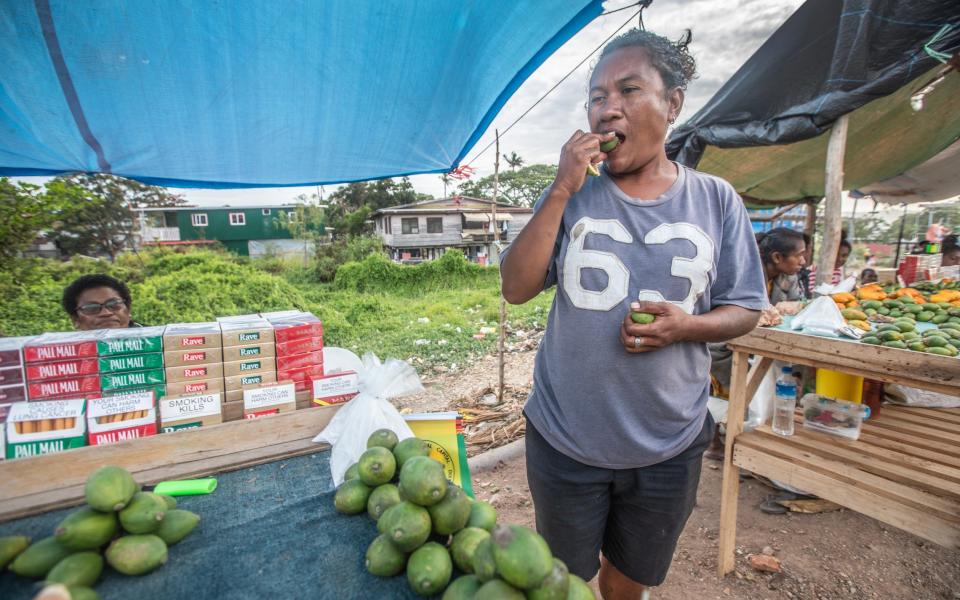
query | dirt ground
[825, 556]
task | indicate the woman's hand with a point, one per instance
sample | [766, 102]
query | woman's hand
[581, 149]
[670, 325]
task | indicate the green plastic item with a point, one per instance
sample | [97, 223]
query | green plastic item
[186, 487]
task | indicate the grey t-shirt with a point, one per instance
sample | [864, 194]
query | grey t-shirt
[693, 246]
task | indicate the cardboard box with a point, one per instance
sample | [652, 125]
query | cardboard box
[188, 372]
[133, 340]
[311, 343]
[269, 400]
[76, 386]
[35, 428]
[11, 351]
[195, 386]
[335, 388]
[249, 367]
[131, 379]
[130, 362]
[62, 369]
[191, 336]
[13, 393]
[121, 417]
[243, 318]
[176, 358]
[60, 346]
[159, 391]
[247, 352]
[241, 382]
[189, 412]
[296, 326]
[11, 376]
[297, 361]
[238, 333]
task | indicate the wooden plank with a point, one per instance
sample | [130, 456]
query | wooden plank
[889, 466]
[845, 473]
[185, 454]
[943, 416]
[954, 412]
[863, 499]
[730, 487]
[893, 441]
[755, 377]
[928, 434]
[919, 419]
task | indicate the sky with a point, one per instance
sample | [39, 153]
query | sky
[725, 34]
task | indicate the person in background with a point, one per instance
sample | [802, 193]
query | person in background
[843, 253]
[805, 274]
[98, 302]
[951, 251]
[868, 276]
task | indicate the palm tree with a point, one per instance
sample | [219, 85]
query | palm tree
[514, 160]
[445, 178]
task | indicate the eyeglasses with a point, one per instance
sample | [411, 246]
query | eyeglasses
[94, 308]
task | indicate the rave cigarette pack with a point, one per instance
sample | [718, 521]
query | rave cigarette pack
[190, 372]
[195, 386]
[131, 379]
[335, 388]
[35, 428]
[238, 333]
[130, 362]
[191, 336]
[249, 351]
[62, 369]
[76, 387]
[269, 399]
[189, 412]
[248, 367]
[122, 417]
[176, 358]
[136, 340]
[237, 384]
[60, 346]
[292, 327]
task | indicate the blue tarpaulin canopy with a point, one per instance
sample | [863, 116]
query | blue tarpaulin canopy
[251, 93]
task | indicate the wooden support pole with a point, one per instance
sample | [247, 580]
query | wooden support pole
[501, 332]
[730, 488]
[833, 189]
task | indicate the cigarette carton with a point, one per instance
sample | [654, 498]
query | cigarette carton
[13, 393]
[242, 382]
[296, 326]
[176, 358]
[60, 346]
[11, 351]
[247, 352]
[35, 428]
[335, 388]
[248, 367]
[189, 412]
[131, 379]
[62, 369]
[130, 362]
[195, 386]
[301, 376]
[11, 376]
[269, 400]
[238, 333]
[188, 372]
[76, 386]
[134, 340]
[191, 336]
[296, 361]
[159, 391]
[121, 417]
[243, 318]
[312, 343]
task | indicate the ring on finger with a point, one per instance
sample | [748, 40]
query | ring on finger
[637, 342]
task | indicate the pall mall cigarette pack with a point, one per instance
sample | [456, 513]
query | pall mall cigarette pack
[134, 340]
[178, 413]
[35, 428]
[13, 379]
[60, 346]
[269, 399]
[62, 365]
[122, 417]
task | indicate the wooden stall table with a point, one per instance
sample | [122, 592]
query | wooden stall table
[905, 468]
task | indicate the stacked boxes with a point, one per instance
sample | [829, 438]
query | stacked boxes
[131, 360]
[299, 341]
[194, 373]
[248, 355]
[269, 399]
[126, 416]
[44, 427]
[13, 386]
[62, 365]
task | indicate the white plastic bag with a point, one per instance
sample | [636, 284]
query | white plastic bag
[369, 411]
[760, 410]
[847, 285]
[820, 317]
[901, 394]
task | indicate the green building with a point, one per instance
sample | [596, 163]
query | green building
[246, 230]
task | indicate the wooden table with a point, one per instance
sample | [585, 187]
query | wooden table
[905, 468]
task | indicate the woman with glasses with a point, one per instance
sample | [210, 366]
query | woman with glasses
[98, 302]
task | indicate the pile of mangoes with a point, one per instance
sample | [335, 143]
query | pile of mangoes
[429, 526]
[137, 525]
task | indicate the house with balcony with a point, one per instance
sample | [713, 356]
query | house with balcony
[247, 230]
[413, 233]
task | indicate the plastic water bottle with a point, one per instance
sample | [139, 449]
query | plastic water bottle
[784, 402]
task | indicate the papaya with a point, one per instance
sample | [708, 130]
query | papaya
[891, 304]
[935, 341]
[376, 466]
[872, 304]
[86, 529]
[579, 590]
[940, 351]
[497, 589]
[143, 514]
[852, 314]
[176, 525]
[484, 565]
[883, 311]
[890, 336]
[904, 326]
[383, 559]
[870, 311]
[464, 546]
[353, 472]
[80, 569]
[422, 481]
[136, 554]
[522, 557]
[895, 313]
[408, 448]
[925, 316]
[351, 497]
[940, 318]
[381, 499]
[41, 556]
[900, 345]
[482, 515]
[870, 339]
[10, 547]
[911, 336]
[913, 308]
[464, 587]
[554, 586]
[406, 524]
[861, 325]
[917, 346]
[109, 489]
[429, 569]
[384, 438]
[451, 514]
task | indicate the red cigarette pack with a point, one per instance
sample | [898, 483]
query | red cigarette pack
[74, 386]
[62, 369]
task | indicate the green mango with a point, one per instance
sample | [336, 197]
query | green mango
[37, 560]
[109, 489]
[144, 513]
[80, 569]
[10, 547]
[86, 529]
[579, 590]
[176, 525]
[137, 554]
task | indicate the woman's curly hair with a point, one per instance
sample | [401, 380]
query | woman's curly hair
[673, 60]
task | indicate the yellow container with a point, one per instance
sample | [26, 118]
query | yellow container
[839, 385]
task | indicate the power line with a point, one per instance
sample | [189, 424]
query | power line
[556, 85]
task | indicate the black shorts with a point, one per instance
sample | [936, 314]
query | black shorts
[634, 516]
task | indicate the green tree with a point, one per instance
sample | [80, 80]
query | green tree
[514, 160]
[520, 188]
[28, 210]
[351, 206]
[306, 222]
